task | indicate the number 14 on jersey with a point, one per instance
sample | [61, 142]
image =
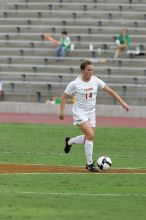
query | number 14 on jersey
[88, 95]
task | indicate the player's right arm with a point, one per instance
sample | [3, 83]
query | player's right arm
[69, 91]
[62, 106]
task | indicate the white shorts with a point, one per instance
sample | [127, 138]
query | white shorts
[81, 117]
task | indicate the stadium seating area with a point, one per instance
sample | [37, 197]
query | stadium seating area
[29, 70]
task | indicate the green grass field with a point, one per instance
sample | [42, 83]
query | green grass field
[71, 196]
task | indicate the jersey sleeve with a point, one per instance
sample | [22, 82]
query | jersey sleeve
[70, 89]
[100, 83]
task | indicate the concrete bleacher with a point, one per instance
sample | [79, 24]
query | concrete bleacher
[28, 63]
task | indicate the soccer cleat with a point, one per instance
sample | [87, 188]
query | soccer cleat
[67, 146]
[91, 167]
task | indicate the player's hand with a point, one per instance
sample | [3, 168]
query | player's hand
[61, 116]
[125, 106]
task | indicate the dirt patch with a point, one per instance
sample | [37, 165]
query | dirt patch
[19, 168]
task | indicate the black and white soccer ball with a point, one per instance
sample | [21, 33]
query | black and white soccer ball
[104, 163]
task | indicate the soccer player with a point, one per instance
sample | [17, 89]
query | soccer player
[85, 88]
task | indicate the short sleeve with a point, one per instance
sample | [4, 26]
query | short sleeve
[70, 89]
[100, 83]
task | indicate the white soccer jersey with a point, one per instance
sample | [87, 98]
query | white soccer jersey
[85, 93]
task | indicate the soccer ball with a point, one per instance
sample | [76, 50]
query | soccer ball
[104, 163]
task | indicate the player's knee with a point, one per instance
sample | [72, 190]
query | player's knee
[90, 136]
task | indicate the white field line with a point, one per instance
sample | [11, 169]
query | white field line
[76, 194]
[40, 164]
[62, 154]
[37, 153]
[88, 173]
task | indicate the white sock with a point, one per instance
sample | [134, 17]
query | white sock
[77, 140]
[89, 151]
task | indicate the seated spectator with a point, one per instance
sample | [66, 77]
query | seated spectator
[64, 44]
[123, 42]
[54, 100]
[57, 100]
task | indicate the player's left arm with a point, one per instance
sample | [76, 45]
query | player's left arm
[115, 95]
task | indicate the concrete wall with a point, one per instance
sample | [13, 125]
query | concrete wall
[42, 108]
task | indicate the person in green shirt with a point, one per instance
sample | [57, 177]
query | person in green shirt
[123, 42]
[64, 45]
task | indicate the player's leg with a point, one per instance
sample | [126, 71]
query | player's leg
[87, 123]
[89, 136]
[88, 131]
[87, 126]
[80, 139]
[78, 118]
[75, 140]
[89, 141]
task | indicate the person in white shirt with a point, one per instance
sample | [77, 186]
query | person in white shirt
[85, 88]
